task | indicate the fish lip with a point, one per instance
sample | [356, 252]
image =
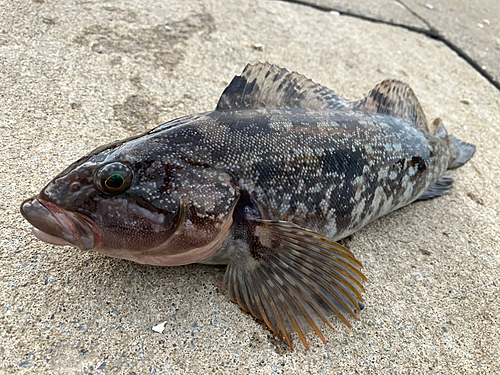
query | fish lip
[58, 226]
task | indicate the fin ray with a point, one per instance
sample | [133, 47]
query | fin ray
[334, 279]
[311, 278]
[312, 264]
[294, 279]
[265, 85]
[440, 188]
[337, 249]
[274, 310]
[322, 257]
[262, 310]
[279, 293]
[297, 285]
[465, 152]
[289, 284]
[396, 98]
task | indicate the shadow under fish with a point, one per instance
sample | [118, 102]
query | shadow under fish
[266, 183]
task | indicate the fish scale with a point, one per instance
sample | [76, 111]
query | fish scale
[274, 163]
[264, 184]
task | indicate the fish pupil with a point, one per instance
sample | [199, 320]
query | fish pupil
[115, 181]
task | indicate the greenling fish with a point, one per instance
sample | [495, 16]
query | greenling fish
[265, 183]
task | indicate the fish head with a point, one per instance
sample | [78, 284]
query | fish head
[151, 209]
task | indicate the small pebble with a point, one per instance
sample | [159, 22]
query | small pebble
[160, 327]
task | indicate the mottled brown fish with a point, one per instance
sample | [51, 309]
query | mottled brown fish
[265, 183]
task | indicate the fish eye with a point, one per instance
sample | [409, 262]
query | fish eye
[114, 178]
[115, 181]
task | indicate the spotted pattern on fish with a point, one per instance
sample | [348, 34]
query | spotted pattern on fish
[329, 172]
[394, 97]
[265, 184]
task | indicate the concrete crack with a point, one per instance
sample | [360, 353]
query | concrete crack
[416, 15]
[431, 32]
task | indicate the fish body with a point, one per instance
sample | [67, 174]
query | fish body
[265, 184]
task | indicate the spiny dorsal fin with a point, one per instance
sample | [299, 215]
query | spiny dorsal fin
[393, 97]
[265, 85]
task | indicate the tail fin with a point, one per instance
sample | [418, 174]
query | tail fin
[465, 152]
[461, 151]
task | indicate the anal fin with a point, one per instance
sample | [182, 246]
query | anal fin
[439, 189]
[294, 279]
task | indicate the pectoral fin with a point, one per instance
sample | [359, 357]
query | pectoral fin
[294, 279]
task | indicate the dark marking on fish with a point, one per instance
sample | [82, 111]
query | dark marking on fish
[264, 86]
[264, 184]
[394, 98]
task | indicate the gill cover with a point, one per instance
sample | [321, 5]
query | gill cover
[208, 198]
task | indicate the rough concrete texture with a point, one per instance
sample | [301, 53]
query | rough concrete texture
[384, 10]
[473, 27]
[75, 75]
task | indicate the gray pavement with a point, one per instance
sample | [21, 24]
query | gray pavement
[75, 75]
[471, 27]
[390, 11]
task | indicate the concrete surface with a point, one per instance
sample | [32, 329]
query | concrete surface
[473, 27]
[391, 11]
[75, 75]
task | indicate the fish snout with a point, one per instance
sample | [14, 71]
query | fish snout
[54, 225]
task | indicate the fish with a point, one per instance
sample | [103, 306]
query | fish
[267, 184]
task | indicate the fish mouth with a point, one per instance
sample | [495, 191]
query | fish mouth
[57, 226]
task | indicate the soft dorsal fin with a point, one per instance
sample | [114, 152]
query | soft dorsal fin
[393, 97]
[265, 85]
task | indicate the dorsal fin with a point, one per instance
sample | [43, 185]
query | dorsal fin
[265, 85]
[393, 97]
